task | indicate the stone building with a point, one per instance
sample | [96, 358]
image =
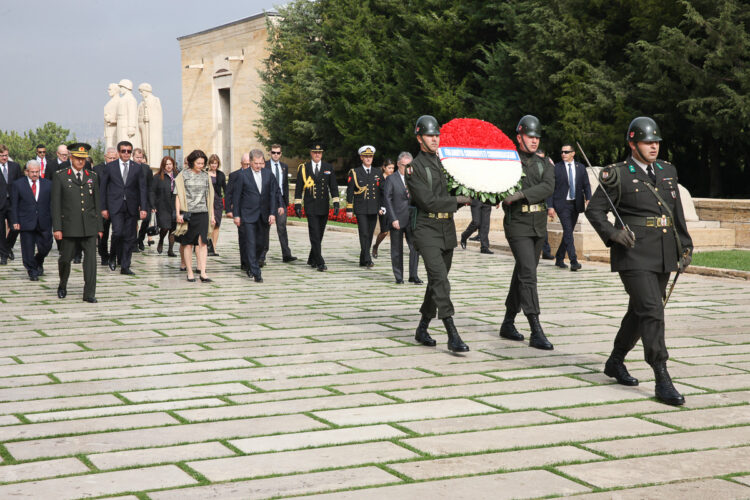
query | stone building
[221, 86]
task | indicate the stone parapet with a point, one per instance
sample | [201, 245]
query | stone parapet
[731, 214]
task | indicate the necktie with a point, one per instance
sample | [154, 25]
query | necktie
[367, 171]
[277, 173]
[651, 174]
[571, 183]
[315, 169]
[42, 171]
[33, 189]
[78, 176]
[5, 172]
[125, 171]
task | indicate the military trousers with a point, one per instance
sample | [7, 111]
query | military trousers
[316, 228]
[522, 295]
[68, 247]
[480, 219]
[437, 297]
[366, 228]
[645, 316]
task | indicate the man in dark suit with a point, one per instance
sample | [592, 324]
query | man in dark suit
[9, 172]
[396, 201]
[572, 194]
[256, 201]
[76, 220]
[30, 214]
[58, 163]
[43, 160]
[280, 170]
[363, 198]
[110, 155]
[647, 195]
[244, 165]
[139, 156]
[123, 202]
[316, 182]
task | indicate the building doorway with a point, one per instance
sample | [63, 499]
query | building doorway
[225, 129]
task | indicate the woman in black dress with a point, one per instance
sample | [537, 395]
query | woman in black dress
[219, 182]
[162, 200]
[387, 168]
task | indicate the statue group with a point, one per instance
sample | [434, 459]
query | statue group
[140, 124]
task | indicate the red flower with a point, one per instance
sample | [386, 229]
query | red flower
[473, 133]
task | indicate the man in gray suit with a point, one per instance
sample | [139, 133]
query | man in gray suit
[396, 201]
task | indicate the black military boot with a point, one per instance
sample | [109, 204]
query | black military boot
[665, 391]
[615, 368]
[537, 339]
[508, 328]
[455, 343]
[421, 335]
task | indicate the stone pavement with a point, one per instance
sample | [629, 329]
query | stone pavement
[310, 383]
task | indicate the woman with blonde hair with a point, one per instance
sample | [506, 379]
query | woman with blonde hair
[194, 208]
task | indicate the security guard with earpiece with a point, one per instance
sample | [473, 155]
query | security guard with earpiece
[645, 192]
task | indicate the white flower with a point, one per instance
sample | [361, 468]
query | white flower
[488, 176]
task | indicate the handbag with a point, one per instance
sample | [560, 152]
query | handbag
[153, 229]
[186, 216]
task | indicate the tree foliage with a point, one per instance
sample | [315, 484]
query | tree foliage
[22, 147]
[348, 73]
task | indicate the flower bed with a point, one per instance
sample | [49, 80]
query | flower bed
[341, 217]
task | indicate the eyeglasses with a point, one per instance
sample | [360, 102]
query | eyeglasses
[566, 152]
[126, 151]
[275, 152]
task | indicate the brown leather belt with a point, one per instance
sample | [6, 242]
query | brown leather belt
[662, 221]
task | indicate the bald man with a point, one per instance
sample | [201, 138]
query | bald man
[244, 164]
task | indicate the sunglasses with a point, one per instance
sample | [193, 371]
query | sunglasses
[566, 152]
[126, 151]
[275, 152]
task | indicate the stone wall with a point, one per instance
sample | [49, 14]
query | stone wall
[732, 214]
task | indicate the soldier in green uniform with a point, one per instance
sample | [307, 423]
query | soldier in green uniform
[76, 220]
[363, 198]
[525, 224]
[434, 232]
[656, 242]
[316, 182]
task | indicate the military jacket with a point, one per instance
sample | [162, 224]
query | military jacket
[314, 190]
[429, 194]
[363, 190]
[74, 205]
[656, 247]
[537, 184]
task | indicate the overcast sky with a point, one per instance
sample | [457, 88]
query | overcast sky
[58, 56]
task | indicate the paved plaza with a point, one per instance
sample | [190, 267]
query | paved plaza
[311, 384]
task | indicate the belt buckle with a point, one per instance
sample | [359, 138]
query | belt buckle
[662, 222]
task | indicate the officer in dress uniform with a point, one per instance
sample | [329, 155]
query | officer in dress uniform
[434, 231]
[363, 197]
[76, 220]
[525, 225]
[316, 183]
[656, 242]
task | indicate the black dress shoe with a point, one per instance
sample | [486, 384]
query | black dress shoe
[508, 330]
[11, 255]
[399, 282]
[369, 265]
[3, 261]
[183, 269]
[463, 242]
[322, 268]
[90, 300]
[548, 256]
[61, 293]
[416, 281]
[561, 265]
[127, 271]
[615, 368]
[40, 271]
[486, 250]
[258, 279]
[665, 390]
[141, 246]
[575, 266]
[171, 254]
[33, 277]
[374, 252]
[105, 261]
[455, 344]
[537, 339]
[112, 264]
[421, 334]
[291, 258]
[206, 280]
[191, 280]
[474, 238]
[76, 260]
[261, 263]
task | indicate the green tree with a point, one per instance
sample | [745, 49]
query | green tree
[23, 147]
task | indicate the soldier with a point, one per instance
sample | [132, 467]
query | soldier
[525, 225]
[646, 194]
[76, 219]
[316, 182]
[434, 231]
[363, 197]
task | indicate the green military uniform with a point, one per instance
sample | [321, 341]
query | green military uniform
[75, 212]
[525, 225]
[661, 236]
[435, 231]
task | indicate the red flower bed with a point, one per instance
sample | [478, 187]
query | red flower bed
[341, 217]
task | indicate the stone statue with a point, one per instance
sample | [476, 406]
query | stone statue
[150, 124]
[127, 115]
[110, 116]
